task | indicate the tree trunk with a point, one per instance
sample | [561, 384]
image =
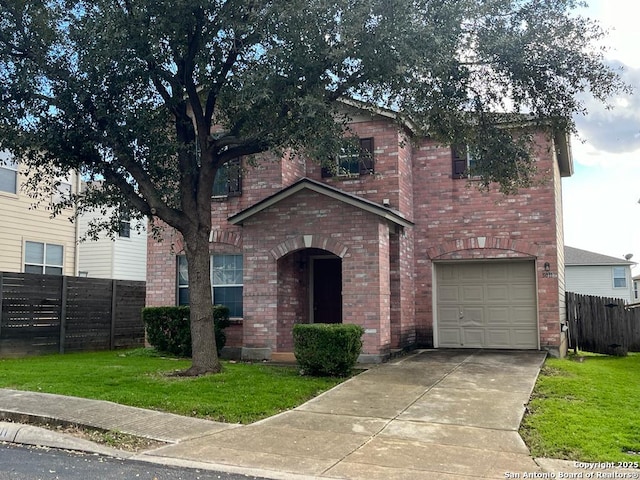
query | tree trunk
[204, 354]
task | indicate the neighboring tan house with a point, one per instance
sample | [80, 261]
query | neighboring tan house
[31, 241]
[121, 258]
[397, 240]
[590, 273]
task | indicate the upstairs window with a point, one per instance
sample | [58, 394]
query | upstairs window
[619, 277]
[124, 230]
[462, 161]
[62, 193]
[8, 176]
[228, 181]
[352, 161]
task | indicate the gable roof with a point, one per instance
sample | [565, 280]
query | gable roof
[329, 191]
[575, 256]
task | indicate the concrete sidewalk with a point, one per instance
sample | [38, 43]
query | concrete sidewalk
[446, 414]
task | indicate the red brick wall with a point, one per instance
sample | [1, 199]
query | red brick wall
[387, 276]
[357, 235]
[387, 180]
[456, 221]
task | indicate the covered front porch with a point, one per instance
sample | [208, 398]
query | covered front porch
[312, 257]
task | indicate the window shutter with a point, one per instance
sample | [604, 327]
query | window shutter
[235, 177]
[459, 160]
[366, 156]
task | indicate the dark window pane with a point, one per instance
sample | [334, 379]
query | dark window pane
[125, 230]
[231, 297]
[53, 271]
[32, 269]
[183, 296]
[228, 179]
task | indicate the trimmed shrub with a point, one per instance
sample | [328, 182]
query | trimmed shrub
[327, 349]
[168, 328]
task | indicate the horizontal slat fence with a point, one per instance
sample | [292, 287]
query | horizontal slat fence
[602, 325]
[49, 314]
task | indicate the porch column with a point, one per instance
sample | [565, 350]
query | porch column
[260, 297]
[366, 294]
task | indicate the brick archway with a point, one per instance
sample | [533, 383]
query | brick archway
[483, 246]
[215, 236]
[308, 241]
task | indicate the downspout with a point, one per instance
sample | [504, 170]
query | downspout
[77, 230]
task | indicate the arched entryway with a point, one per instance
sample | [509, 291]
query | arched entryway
[309, 291]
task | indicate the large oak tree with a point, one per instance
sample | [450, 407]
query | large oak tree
[147, 99]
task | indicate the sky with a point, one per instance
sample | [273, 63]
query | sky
[601, 200]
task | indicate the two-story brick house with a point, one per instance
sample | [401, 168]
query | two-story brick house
[397, 241]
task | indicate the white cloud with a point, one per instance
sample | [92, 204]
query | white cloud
[601, 208]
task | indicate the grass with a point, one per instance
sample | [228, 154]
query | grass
[242, 393]
[586, 408]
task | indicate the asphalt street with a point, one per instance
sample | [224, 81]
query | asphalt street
[33, 463]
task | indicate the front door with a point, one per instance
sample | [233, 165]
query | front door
[327, 290]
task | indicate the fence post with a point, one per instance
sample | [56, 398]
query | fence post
[63, 314]
[112, 339]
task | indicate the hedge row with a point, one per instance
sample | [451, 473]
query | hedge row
[168, 328]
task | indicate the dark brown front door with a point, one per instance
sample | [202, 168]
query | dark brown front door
[327, 290]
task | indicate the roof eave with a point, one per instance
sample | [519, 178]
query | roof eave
[563, 153]
[305, 183]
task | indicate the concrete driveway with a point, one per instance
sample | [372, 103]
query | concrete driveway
[446, 414]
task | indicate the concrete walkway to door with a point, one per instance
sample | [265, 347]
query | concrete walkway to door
[446, 414]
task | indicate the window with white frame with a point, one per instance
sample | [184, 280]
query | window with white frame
[619, 277]
[62, 193]
[41, 257]
[124, 229]
[356, 158]
[226, 282]
[8, 175]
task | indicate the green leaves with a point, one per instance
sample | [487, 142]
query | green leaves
[125, 89]
[123, 92]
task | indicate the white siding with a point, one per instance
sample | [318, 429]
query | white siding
[96, 256]
[130, 256]
[557, 185]
[596, 280]
[120, 259]
[20, 222]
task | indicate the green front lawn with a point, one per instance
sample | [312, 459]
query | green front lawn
[242, 393]
[586, 408]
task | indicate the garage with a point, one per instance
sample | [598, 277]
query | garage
[486, 305]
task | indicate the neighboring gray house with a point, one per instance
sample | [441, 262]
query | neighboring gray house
[591, 273]
[636, 289]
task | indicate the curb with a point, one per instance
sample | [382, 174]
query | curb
[37, 436]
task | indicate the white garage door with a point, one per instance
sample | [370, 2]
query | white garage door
[486, 305]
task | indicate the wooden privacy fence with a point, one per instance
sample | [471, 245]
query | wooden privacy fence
[602, 325]
[50, 314]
